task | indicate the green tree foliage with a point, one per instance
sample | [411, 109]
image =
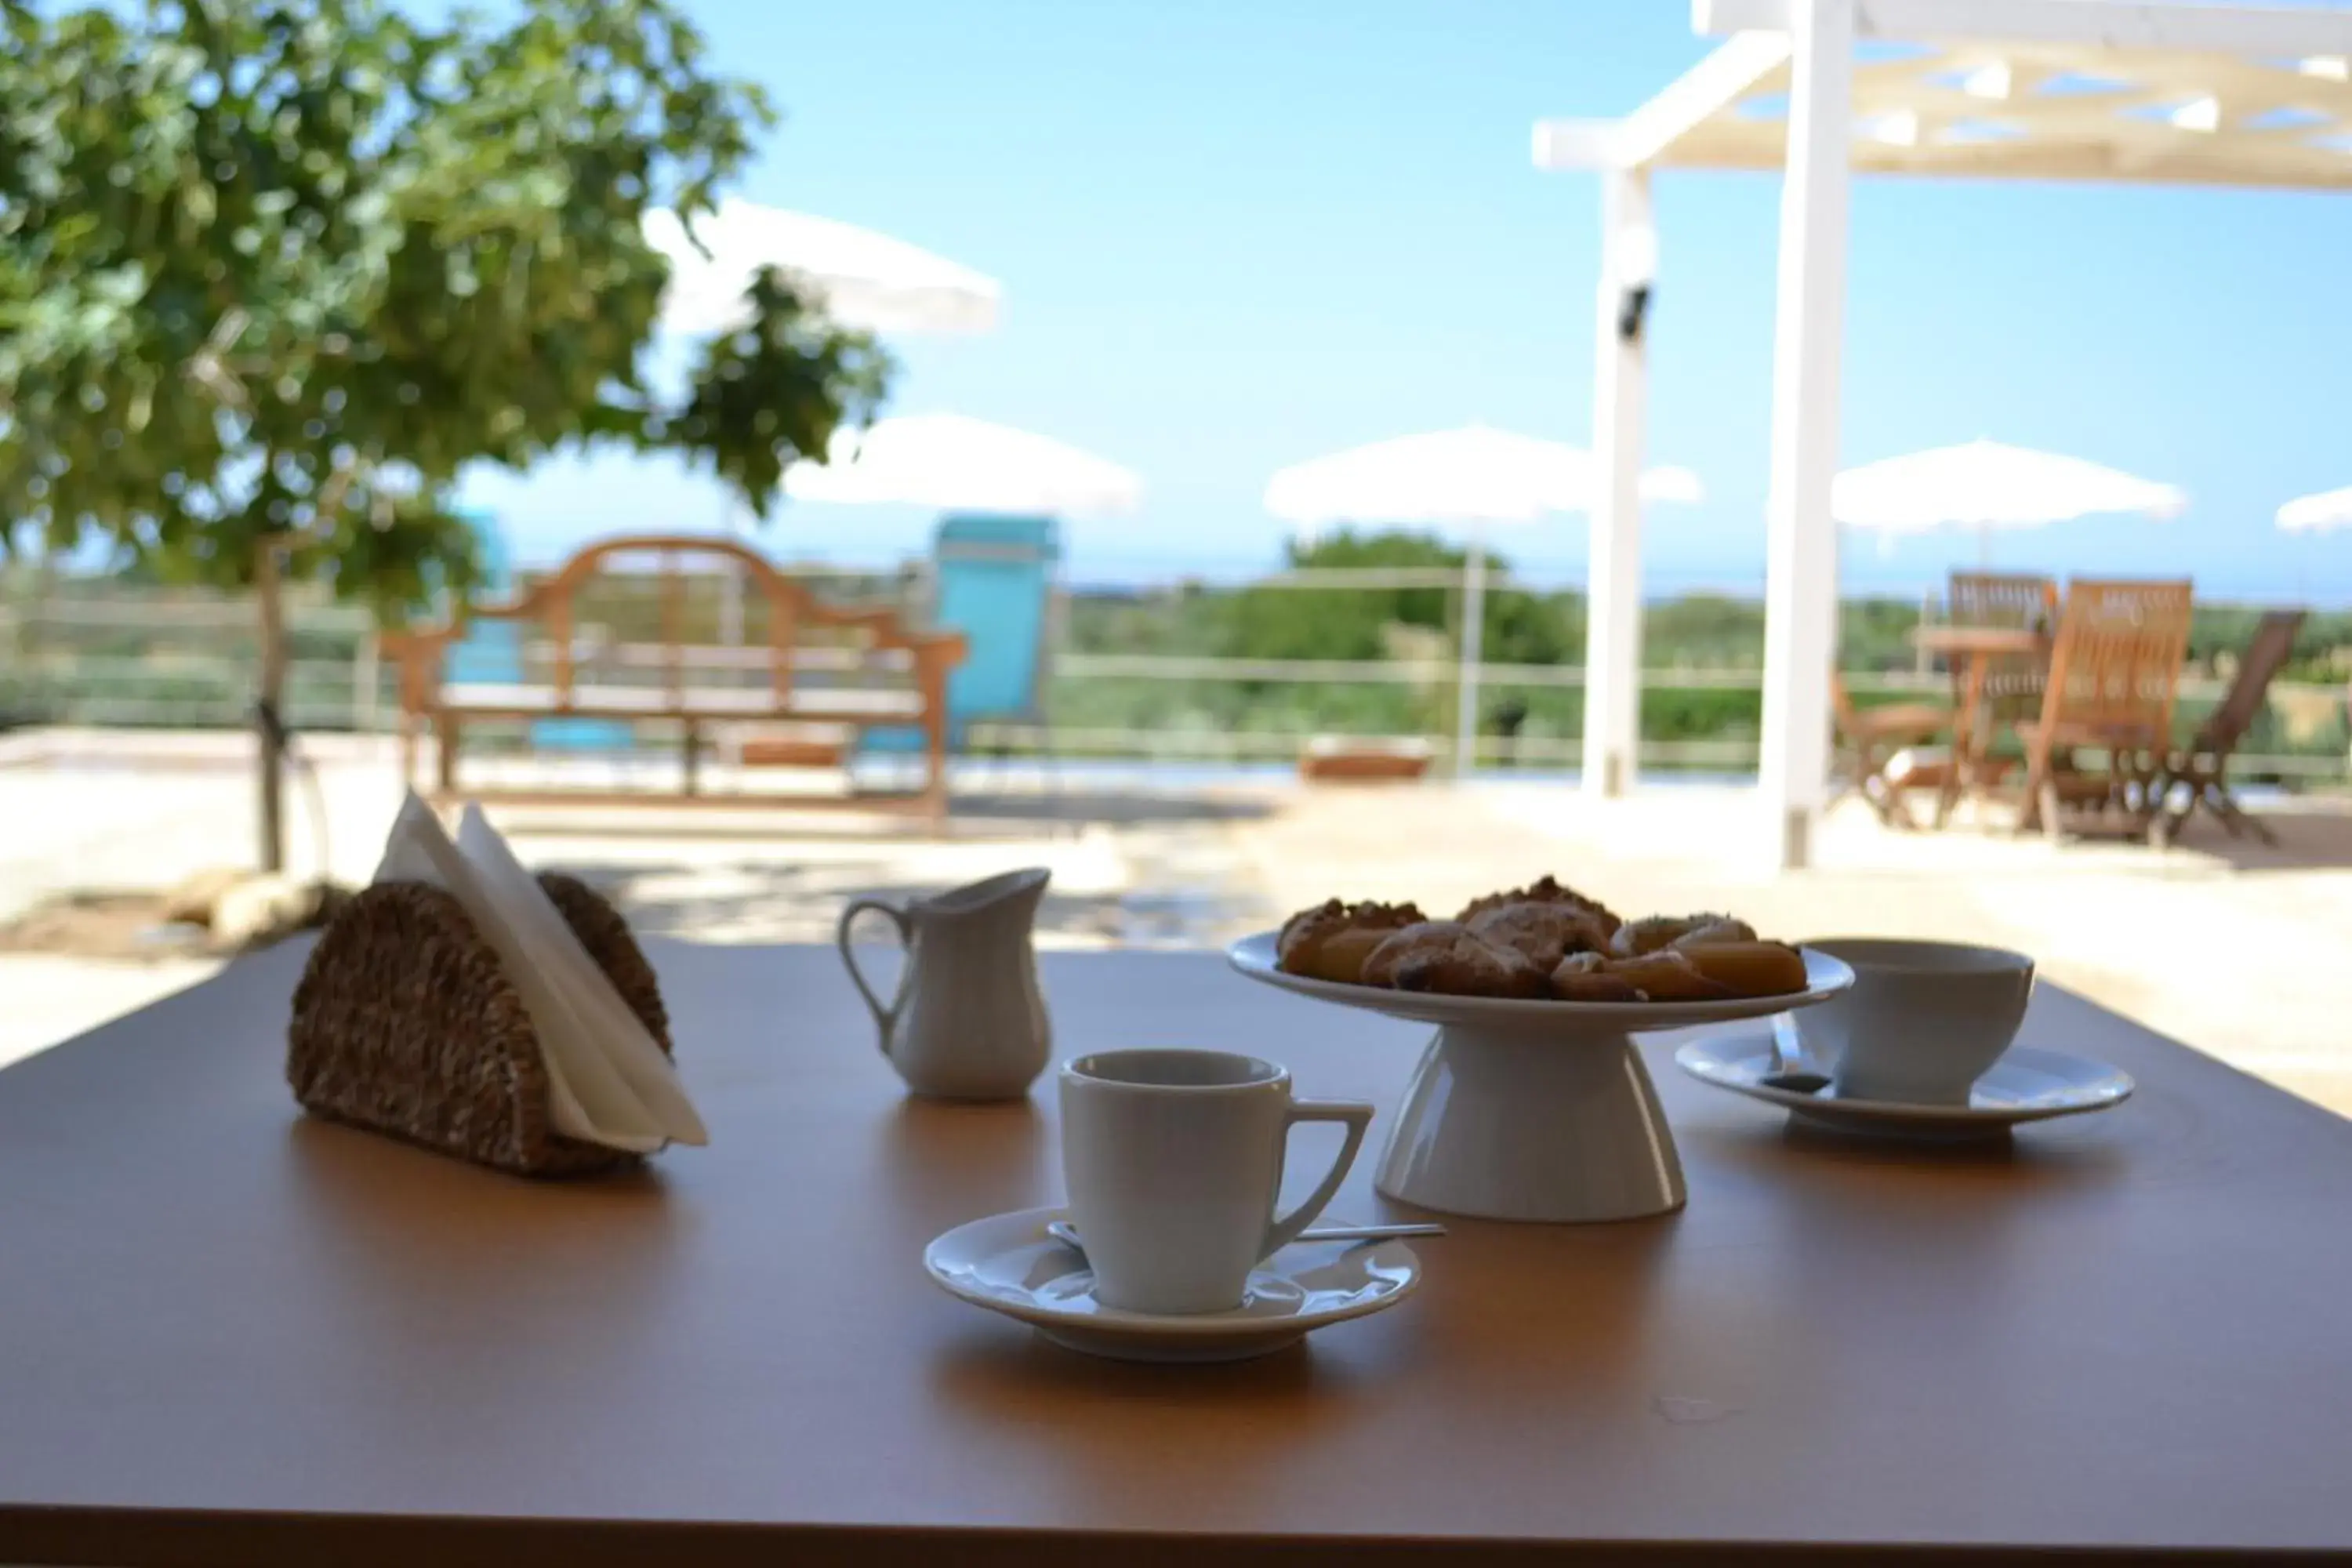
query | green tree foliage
[1355, 623]
[274, 272]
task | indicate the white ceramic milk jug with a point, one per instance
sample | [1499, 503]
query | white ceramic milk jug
[968, 1021]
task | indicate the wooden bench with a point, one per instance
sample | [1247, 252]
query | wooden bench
[737, 646]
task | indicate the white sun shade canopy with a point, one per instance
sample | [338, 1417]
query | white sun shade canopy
[2317, 515]
[864, 280]
[2103, 89]
[1985, 484]
[956, 463]
[1473, 475]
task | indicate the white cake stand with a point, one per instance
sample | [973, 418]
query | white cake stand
[1534, 1111]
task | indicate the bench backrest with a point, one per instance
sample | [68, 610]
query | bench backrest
[675, 615]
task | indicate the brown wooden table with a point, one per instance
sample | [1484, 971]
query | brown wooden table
[229, 1335]
[1972, 652]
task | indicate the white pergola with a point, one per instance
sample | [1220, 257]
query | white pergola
[2042, 90]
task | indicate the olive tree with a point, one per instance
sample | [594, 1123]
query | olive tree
[275, 273]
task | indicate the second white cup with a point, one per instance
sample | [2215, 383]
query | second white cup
[1173, 1163]
[1923, 1022]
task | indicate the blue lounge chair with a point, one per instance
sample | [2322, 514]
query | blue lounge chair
[995, 583]
[491, 650]
[993, 580]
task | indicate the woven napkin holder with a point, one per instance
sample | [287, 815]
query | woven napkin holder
[406, 1024]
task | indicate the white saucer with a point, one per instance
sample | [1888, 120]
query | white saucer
[1008, 1264]
[2026, 1085]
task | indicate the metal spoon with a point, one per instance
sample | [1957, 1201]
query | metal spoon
[1791, 1070]
[1066, 1233]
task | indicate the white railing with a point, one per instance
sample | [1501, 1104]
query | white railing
[193, 662]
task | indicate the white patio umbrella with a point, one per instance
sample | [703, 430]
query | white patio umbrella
[1464, 481]
[2319, 513]
[1986, 485]
[952, 461]
[864, 279]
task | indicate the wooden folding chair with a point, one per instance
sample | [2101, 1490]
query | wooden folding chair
[2115, 671]
[2199, 771]
[2002, 599]
[1870, 739]
[2013, 684]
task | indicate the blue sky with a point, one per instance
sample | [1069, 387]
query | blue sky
[1233, 235]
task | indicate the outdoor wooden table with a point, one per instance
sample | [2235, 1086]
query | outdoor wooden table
[232, 1334]
[1972, 650]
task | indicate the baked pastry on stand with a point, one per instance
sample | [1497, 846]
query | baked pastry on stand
[1535, 1110]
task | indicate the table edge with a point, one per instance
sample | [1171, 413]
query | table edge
[73, 1536]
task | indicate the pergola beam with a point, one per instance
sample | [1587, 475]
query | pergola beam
[2273, 31]
[1699, 95]
[1577, 144]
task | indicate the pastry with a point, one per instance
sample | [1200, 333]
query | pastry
[1668, 975]
[1542, 934]
[1331, 940]
[1448, 957]
[1719, 928]
[1587, 977]
[1542, 939]
[1636, 938]
[1545, 891]
[1748, 968]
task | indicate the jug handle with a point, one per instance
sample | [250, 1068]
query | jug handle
[884, 1018]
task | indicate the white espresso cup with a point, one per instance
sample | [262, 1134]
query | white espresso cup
[1923, 1022]
[1173, 1163]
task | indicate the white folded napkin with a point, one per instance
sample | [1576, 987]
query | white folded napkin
[608, 1082]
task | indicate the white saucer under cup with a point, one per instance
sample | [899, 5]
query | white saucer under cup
[1537, 1111]
[2026, 1085]
[1008, 1263]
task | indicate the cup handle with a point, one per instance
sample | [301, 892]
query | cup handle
[1358, 1116]
[884, 1018]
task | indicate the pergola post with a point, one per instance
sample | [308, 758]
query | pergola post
[1474, 646]
[1800, 596]
[1612, 634]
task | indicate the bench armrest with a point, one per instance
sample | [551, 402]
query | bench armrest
[416, 654]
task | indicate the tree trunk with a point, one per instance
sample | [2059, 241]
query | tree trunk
[269, 698]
